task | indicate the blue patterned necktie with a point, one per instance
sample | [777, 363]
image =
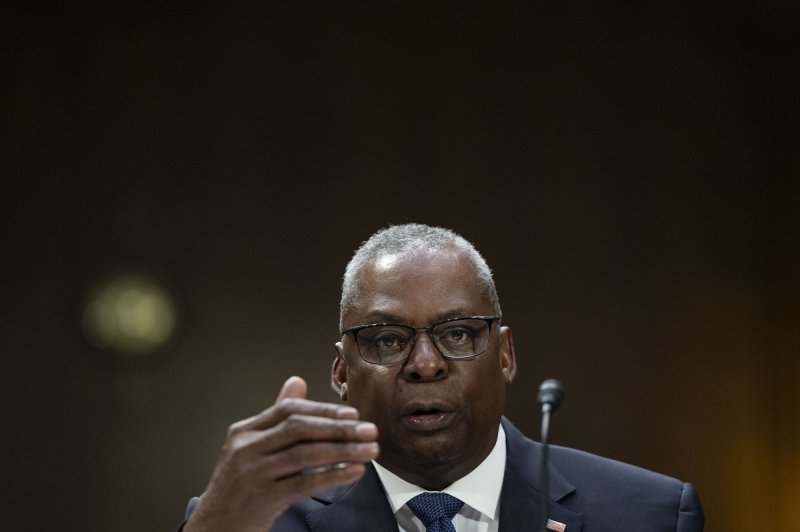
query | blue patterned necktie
[436, 510]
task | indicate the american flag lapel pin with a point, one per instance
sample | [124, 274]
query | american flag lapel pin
[555, 525]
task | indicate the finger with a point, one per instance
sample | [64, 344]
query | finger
[306, 457]
[293, 387]
[294, 406]
[302, 429]
[299, 428]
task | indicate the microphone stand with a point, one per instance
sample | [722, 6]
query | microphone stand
[551, 393]
[545, 473]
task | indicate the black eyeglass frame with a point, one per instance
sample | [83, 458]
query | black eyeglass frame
[490, 320]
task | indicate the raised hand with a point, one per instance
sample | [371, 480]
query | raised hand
[289, 451]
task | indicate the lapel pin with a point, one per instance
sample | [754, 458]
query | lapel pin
[555, 525]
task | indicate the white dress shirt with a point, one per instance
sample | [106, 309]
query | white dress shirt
[480, 491]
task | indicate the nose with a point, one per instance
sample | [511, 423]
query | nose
[425, 362]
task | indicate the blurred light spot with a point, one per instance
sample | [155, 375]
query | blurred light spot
[129, 314]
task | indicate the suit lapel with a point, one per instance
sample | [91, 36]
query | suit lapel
[361, 507]
[519, 499]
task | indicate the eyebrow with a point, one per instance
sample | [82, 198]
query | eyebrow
[384, 317]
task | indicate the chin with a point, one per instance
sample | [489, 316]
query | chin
[433, 449]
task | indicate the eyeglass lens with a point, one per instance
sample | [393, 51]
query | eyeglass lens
[387, 344]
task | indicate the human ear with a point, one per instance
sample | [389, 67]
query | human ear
[339, 373]
[508, 358]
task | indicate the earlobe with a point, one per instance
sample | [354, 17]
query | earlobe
[339, 373]
[508, 358]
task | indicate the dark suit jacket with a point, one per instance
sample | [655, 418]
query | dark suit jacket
[588, 493]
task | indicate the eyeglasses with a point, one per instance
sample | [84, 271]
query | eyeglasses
[390, 343]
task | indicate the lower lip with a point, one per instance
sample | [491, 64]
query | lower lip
[428, 422]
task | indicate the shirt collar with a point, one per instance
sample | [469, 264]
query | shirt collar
[479, 489]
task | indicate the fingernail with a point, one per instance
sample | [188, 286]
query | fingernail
[366, 429]
[347, 411]
[367, 448]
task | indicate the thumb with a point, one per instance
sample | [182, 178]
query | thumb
[293, 387]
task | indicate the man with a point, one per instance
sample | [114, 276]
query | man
[424, 364]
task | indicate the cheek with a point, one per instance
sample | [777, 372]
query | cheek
[366, 374]
[368, 386]
[487, 390]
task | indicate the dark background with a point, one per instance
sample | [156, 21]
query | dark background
[631, 171]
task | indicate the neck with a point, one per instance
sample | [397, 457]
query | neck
[431, 477]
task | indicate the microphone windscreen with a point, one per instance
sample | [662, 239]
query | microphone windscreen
[551, 392]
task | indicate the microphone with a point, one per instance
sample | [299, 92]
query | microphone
[551, 393]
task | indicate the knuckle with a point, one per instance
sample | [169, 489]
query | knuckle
[343, 431]
[330, 410]
[285, 407]
[293, 426]
[281, 408]
[237, 444]
[235, 428]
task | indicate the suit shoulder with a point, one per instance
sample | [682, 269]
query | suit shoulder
[576, 464]
[608, 474]
[629, 495]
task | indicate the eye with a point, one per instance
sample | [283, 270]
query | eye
[388, 340]
[457, 335]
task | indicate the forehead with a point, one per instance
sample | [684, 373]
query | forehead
[419, 288]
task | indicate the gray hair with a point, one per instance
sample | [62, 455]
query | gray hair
[406, 238]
